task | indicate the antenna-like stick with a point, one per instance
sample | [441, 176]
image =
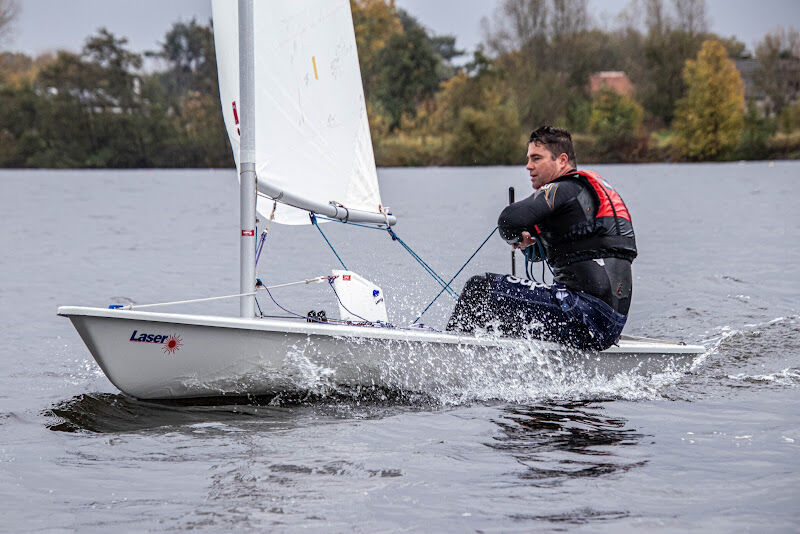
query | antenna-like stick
[513, 251]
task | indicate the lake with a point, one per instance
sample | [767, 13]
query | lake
[712, 447]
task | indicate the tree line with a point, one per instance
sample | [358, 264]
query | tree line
[95, 108]
[428, 103]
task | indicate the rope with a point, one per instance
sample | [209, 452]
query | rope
[309, 281]
[132, 306]
[425, 266]
[265, 232]
[528, 254]
[314, 222]
[290, 312]
[544, 260]
[456, 275]
[284, 309]
[446, 286]
[261, 245]
[413, 254]
[644, 338]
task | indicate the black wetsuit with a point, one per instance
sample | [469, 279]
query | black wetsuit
[589, 243]
[559, 210]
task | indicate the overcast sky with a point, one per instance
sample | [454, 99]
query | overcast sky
[52, 24]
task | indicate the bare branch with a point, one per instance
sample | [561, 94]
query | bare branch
[8, 12]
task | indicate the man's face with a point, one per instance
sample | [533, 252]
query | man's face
[542, 167]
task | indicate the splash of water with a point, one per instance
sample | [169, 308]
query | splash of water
[457, 374]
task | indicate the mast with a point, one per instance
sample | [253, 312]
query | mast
[247, 160]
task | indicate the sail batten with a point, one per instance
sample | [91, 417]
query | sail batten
[312, 134]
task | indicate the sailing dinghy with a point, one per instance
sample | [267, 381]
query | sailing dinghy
[294, 108]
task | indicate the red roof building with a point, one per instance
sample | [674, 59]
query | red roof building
[615, 81]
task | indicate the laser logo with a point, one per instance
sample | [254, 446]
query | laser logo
[170, 343]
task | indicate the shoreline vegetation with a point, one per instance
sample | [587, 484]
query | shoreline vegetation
[656, 86]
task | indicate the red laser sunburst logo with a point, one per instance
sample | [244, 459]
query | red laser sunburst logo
[172, 344]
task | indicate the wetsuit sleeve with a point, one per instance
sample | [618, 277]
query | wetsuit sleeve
[522, 216]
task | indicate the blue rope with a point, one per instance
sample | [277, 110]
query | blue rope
[446, 286]
[455, 275]
[314, 222]
[425, 266]
[260, 245]
[532, 255]
[413, 254]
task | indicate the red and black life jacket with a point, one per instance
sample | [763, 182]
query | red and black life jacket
[605, 229]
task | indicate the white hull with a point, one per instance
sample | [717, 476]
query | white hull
[232, 356]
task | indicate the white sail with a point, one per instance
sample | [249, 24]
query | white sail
[312, 133]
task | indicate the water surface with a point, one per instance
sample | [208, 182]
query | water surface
[713, 447]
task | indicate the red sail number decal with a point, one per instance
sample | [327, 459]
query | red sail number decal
[236, 118]
[248, 233]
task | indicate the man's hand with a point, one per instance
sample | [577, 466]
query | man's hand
[527, 241]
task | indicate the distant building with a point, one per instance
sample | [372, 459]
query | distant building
[611, 80]
[748, 68]
[785, 77]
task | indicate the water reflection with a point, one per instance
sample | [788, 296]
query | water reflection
[111, 413]
[108, 413]
[564, 441]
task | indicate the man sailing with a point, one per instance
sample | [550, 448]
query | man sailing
[587, 236]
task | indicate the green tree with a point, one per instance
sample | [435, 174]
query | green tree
[616, 120]
[108, 54]
[188, 49]
[67, 123]
[188, 91]
[488, 135]
[708, 120]
[18, 107]
[444, 46]
[755, 134]
[789, 118]
[96, 111]
[407, 75]
[665, 55]
[667, 46]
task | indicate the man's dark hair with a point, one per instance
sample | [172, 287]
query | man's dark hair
[557, 140]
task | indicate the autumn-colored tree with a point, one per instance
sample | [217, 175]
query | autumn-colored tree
[487, 134]
[708, 119]
[459, 92]
[375, 22]
[20, 70]
[480, 140]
